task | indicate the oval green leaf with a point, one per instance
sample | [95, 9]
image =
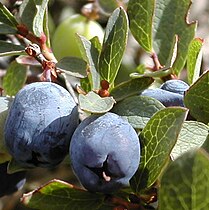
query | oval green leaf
[157, 140]
[90, 51]
[194, 60]
[73, 66]
[15, 78]
[32, 15]
[93, 103]
[137, 110]
[192, 135]
[170, 19]
[114, 45]
[57, 195]
[197, 98]
[140, 14]
[107, 7]
[130, 87]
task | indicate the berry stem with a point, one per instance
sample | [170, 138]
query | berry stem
[49, 67]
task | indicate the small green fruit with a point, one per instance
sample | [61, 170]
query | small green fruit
[64, 42]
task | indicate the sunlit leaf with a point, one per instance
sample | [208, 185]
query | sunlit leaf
[157, 140]
[194, 60]
[93, 103]
[73, 66]
[57, 195]
[197, 98]
[141, 16]
[169, 21]
[184, 185]
[192, 136]
[114, 45]
[14, 79]
[32, 15]
[90, 54]
[130, 87]
[137, 110]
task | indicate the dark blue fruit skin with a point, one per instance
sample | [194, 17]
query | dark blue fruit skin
[40, 123]
[107, 145]
[165, 97]
[10, 183]
[175, 86]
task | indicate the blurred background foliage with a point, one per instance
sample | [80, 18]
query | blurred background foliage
[134, 55]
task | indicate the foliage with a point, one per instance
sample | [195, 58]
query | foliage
[174, 140]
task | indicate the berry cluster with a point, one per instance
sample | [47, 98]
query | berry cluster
[42, 127]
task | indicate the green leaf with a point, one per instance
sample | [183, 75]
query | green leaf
[114, 44]
[7, 48]
[85, 84]
[137, 110]
[96, 43]
[197, 98]
[57, 195]
[93, 103]
[4, 107]
[90, 53]
[157, 140]
[73, 66]
[6, 29]
[194, 60]
[14, 79]
[192, 135]
[32, 15]
[184, 185]
[140, 14]
[169, 21]
[7, 17]
[173, 53]
[131, 87]
[107, 7]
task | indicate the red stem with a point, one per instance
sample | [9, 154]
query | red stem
[41, 41]
[156, 61]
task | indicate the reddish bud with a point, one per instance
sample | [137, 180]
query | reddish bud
[103, 93]
[105, 84]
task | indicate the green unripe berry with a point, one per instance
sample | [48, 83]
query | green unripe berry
[64, 42]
